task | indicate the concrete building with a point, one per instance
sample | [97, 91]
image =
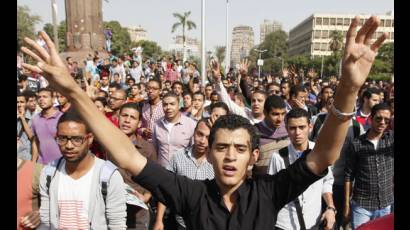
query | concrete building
[242, 43]
[192, 47]
[137, 34]
[268, 27]
[312, 36]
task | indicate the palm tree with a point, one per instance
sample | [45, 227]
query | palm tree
[220, 53]
[186, 24]
[336, 42]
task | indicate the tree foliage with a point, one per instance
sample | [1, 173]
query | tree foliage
[151, 49]
[185, 24]
[220, 52]
[121, 40]
[61, 30]
[25, 24]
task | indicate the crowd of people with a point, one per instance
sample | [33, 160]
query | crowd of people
[133, 143]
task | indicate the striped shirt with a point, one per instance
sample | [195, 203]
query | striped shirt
[184, 163]
[372, 170]
[151, 114]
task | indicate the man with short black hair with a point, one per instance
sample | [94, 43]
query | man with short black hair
[370, 166]
[63, 104]
[24, 132]
[298, 97]
[370, 98]
[231, 200]
[306, 210]
[71, 186]
[152, 109]
[44, 124]
[115, 101]
[31, 102]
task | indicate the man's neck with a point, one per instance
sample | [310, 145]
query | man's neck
[259, 116]
[174, 119]
[365, 110]
[48, 112]
[199, 156]
[78, 169]
[372, 135]
[301, 147]
[155, 101]
[229, 195]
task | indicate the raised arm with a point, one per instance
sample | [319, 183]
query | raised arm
[113, 140]
[359, 55]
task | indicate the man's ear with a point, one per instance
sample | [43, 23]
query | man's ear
[254, 156]
[310, 127]
[90, 139]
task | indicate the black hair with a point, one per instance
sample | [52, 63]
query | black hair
[115, 85]
[240, 96]
[297, 113]
[219, 104]
[273, 83]
[204, 120]
[103, 100]
[214, 93]
[368, 92]
[104, 92]
[263, 92]
[47, 89]
[171, 94]
[380, 106]
[295, 90]
[72, 115]
[28, 94]
[199, 93]
[187, 93]
[132, 105]
[325, 87]
[233, 122]
[157, 81]
[23, 78]
[274, 102]
[177, 83]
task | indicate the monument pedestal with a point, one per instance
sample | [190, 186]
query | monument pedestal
[81, 56]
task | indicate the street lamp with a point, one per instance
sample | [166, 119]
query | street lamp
[260, 61]
[281, 67]
[227, 53]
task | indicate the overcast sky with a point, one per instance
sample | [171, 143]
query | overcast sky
[156, 15]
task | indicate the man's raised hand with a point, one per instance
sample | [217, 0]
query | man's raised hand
[243, 67]
[49, 63]
[359, 53]
[216, 70]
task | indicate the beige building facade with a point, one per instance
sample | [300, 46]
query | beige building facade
[242, 43]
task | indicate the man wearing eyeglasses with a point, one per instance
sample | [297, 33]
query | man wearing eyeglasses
[73, 198]
[370, 164]
[115, 101]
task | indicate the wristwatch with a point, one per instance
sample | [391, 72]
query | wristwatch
[340, 115]
[332, 208]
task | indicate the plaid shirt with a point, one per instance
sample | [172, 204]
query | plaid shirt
[372, 170]
[183, 163]
[151, 114]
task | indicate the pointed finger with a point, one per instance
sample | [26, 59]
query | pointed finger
[351, 32]
[43, 53]
[32, 68]
[49, 42]
[376, 45]
[31, 54]
[371, 31]
[361, 35]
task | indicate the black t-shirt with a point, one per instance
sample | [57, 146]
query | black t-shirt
[202, 206]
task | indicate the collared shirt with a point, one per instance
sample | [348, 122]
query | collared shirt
[24, 150]
[310, 200]
[167, 142]
[151, 114]
[201, 205]
[171, 75]
[372, 171]
[46, 129]
[183, 163]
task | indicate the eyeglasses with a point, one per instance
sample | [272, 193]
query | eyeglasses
[379, 119]
[75, 140]
[115, 98]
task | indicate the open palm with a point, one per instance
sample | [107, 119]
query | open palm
[359, 53]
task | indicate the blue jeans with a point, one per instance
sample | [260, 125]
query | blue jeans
[361, 215]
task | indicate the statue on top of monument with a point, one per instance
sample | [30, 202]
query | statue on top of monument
[108, 36]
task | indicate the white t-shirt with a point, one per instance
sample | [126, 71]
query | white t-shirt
[73, 199]
[374, 142]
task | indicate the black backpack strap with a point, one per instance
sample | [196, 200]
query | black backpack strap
[284, 153]
[50, 177]
[356, 128]
[316, 127]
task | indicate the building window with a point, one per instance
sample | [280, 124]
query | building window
[333, 21]
[325, 34]
[361, 22]
[346, 22]
[392, 23]
[316, 46]
[388, 23]
[339, 21]
[317, 34]
[323, 46]
[392, 36]
[382, 23]
[325, 21]
[318, 21]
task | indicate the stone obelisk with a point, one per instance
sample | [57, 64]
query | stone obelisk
[84, 29]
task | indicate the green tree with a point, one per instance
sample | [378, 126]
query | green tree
[151, 49]
[121, 40]
[386, 54]
[25, 24]
[62, 29]
[220, 52]
[336, 41]
[185, 24]
[277, 48]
